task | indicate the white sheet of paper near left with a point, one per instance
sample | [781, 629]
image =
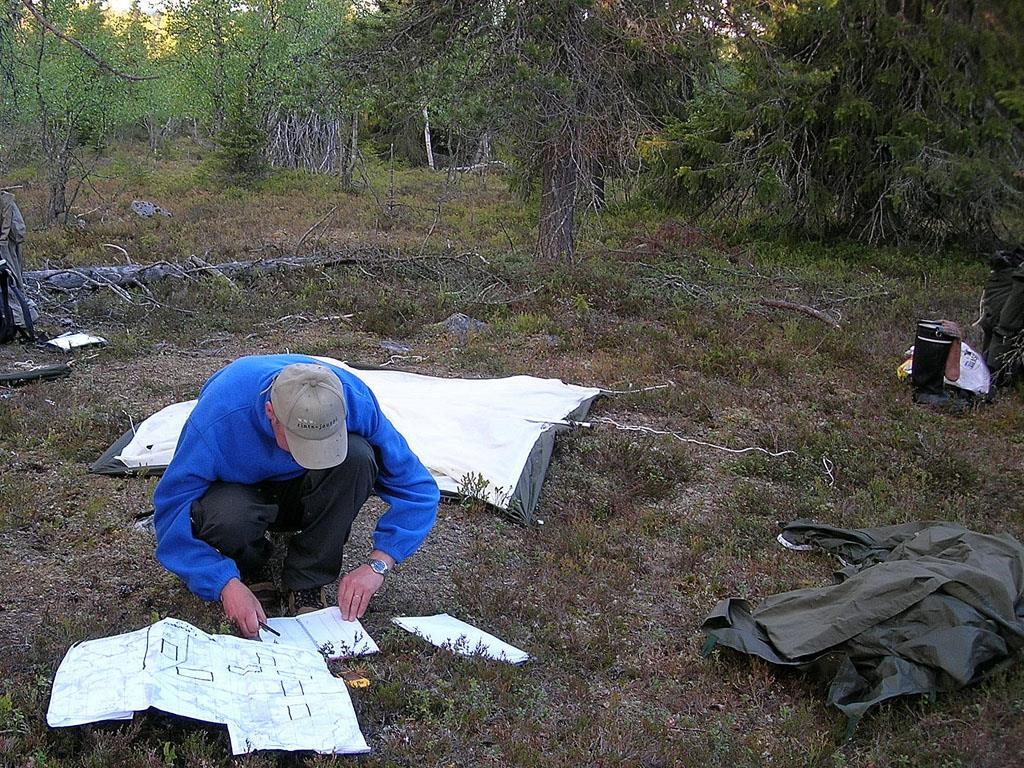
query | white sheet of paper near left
[269, 696]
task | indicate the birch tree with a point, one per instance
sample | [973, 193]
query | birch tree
[73, 99]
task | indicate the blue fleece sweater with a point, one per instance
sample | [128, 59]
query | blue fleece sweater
[228, 437]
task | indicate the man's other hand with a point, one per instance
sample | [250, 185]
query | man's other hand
[242, 608]
[355, 590]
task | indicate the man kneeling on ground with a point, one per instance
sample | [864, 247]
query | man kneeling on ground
[287, 443]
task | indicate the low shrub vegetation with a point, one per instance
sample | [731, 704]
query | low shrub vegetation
[666, 503]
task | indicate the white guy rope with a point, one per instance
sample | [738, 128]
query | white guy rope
[826, 462]
[632, 391]
[693, 440]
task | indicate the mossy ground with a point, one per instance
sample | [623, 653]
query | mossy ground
[642, 533]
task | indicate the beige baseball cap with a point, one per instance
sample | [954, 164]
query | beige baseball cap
[309, 403]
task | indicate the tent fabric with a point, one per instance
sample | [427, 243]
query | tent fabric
[527, 492]
[487, 438]
[919, 608]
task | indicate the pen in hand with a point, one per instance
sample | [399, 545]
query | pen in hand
[269, 629]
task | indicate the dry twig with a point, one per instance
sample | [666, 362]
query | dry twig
[803, 309]
[315, 225]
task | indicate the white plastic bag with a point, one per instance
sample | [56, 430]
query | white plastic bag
[974, 375]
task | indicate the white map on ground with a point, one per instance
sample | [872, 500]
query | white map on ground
[445, 631]
[324, 631]
[269, 696]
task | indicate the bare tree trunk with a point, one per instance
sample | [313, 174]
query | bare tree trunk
[483, 150]
[597, 183]
[306, 140]
[353, 153]
[454, 152]
[151, 131]
[426, 139]
[341, 151]
[219, 89]
[199, 139]
[389, 199]
[56, 205]
[559, 179]
[59, 156]
[56, 138]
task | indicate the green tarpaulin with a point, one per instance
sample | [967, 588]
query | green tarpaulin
[919, 608]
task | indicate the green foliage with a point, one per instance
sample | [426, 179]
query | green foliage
[12, 720]
[884, 120]
[222, 53]
[241, 142]
[881, 123]
[58, 102]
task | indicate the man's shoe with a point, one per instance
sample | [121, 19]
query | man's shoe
[267, 594]
[302, 601]
[931, 398]
[260, 582]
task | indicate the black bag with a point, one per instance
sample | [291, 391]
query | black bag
[1002, 315]
[998, 287]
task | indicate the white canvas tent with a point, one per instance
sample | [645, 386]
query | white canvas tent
[487, 438]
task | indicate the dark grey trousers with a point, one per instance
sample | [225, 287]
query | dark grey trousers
[319, 504]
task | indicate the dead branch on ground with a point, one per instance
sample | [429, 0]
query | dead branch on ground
[803, 309]
[78, 281]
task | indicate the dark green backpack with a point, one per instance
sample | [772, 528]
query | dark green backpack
[1002, 315]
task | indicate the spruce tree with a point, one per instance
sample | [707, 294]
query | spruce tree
[888, 120]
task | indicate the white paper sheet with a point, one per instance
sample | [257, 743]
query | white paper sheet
[269, 696]
[459, 637]
[69, 341]
[323, 631]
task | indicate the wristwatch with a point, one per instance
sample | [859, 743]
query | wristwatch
[379, 566]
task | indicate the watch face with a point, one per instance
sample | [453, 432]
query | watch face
[379, 566]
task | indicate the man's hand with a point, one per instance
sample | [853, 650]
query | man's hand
[242, 608]
[355, 590]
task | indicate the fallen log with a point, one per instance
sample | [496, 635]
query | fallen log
[481, 166]
[120, 275]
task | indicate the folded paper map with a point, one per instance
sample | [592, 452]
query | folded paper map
[269, 696]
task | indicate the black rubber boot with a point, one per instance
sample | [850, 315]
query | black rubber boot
[931, 349]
